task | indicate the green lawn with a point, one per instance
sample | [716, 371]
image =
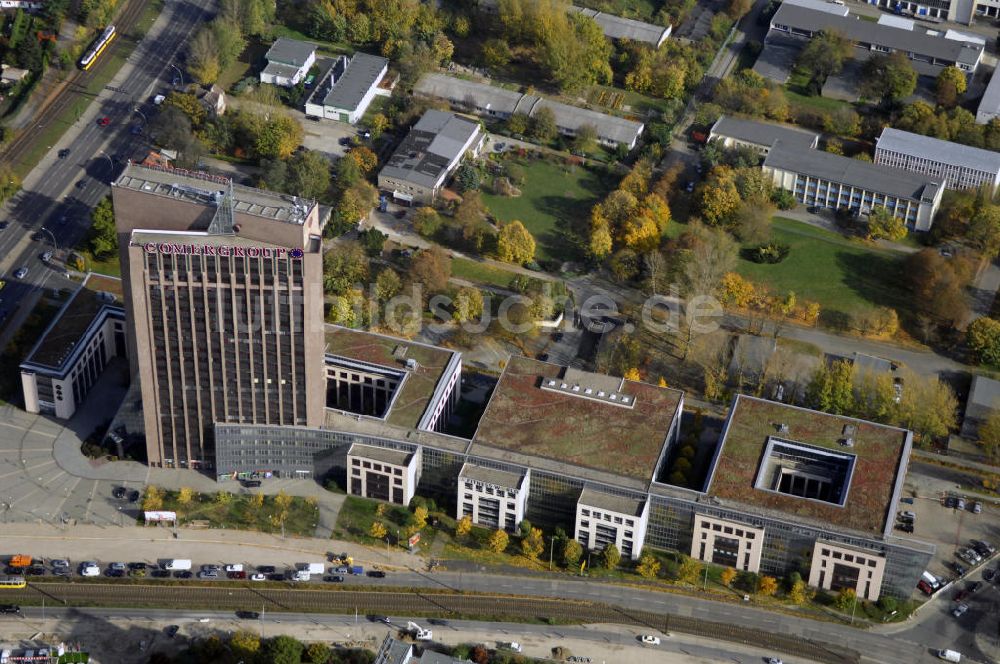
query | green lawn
[481, 273]
[842, 275]
[357, 515]
[239, 512]
[554, 205]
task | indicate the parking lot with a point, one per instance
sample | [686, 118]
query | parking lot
[931, 492]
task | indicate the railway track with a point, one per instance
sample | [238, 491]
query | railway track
[74, 85]
[275, 598]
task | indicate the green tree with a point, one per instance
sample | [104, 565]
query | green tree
[283, 650]
[187, 104]
[984, 229]
[185, 495]
[533, 545]
[498, 540]
[308, 175]
[515, 244]
[610, 556]
[343, 267]
[468, 304]
[468, 177]
[223, 497]
[845, 599]
[229, 41]
[245, 643]
[277, 138]
[377, 125]
[373, 240]
[949, 86]
[496, 54]
[649, 566]
[426, 221]
[888, 77]
[884, 225]
[203, 56]
[518, 123]
[586, 139]
[318, 652]
[983, 338]
[103, 239]
[152, 498]
[571, 552]
[989, 436]
[718, 198]
[377, 530]
[355, 203]
[689, 571]
[387, 284]
[799, 592]
[927, 407]
[463, 526]
[543, 126]
[727, 576]
[824, 54]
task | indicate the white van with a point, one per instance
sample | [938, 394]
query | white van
[931, 580]
[950, 655]
[178, 564]
[301, 575]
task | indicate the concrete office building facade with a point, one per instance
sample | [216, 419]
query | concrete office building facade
[492, 498]
[224, 302]
[958, 166]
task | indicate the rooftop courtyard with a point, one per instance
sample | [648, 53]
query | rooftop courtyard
[829, 468]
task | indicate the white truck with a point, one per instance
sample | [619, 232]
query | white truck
[178, 564]
[509, 645]
[311, 568]
[419, 633]
[301, 575]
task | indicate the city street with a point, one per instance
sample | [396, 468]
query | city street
[57, 196]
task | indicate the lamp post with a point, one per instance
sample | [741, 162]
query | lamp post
[55, 245]
[180, 74]
[145, 120]
[552, 542]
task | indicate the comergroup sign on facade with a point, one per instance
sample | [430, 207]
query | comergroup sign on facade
[222, 250]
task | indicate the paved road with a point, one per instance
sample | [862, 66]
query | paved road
[59, 193]
[111, 633]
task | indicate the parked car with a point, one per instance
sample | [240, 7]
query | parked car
[117, 566]
[960, 503]
[236, 575]
[36, 570]
[959, 569]
[103, 121]
[248, 615]
[341, 570]
[235, 567]
[960, 610]
[172, 631]
[211, 568]
[925, 587]
[650, 640]
[950, 501]
[160, 574]
[46, 256]
[905, 527]
[133, 496]
[266, 569]
[208, 574]
[989, 574]
[258, 577]
[984, 549]
[976, 507]
[376, 574]
[89, 569]
[9, 608]
[333, 578]
[907, 516]
[60, 563]
[183, 574]
[960, 595]
[21, 273]
[120, 492]
[975, 586]
[251, 484]
[114, 573]
[135, 566]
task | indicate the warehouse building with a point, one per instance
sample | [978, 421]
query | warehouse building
[421, 165]
[288, 62]
[759, 136]
[348, 86]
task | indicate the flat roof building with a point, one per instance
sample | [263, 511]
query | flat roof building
[603, 519]
[224, 303]
[760, 136]
[494, 102]
[959, 166]
[617, 27]
[984, 401]
[989, 105]
[832, 181]
[288, 61]
[429, 154]
[492, 498]
[348, 86]
[74, 349]
[919, 44]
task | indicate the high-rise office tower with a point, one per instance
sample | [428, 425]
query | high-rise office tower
[224, 303]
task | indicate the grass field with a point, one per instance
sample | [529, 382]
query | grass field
[357, 514]
[480, 273]
[239, 512]
[843, 276]
[554, 206]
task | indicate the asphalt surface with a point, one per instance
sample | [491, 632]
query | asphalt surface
[60, 192]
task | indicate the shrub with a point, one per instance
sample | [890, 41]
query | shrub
[769, 253]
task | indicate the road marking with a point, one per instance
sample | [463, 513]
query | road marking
[93, 494]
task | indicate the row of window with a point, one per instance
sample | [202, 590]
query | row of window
[607, 517]
[489, 489]
[848, 558]
[377, 467]
[727, 530]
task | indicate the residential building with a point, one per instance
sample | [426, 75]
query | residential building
[499, 103]
[989, 105]
[72, 352]
[616, 27]
[760, 136]
[348, 86]
[821, 179]
[213, 99]
[926, 47]
[383, 474]
[288, 62]
[492, 498]
[958, 166]
[603, 519]
[983, 402]
[429, 154]
[827, 6]
[12, 75]
[224, 307]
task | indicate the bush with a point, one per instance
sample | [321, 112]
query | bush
[769, 253]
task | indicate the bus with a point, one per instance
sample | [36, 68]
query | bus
[95, 50]
[12, 582]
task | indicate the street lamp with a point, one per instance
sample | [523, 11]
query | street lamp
[179, 73]
[55, 245]
[145, 120]
[111, 162]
